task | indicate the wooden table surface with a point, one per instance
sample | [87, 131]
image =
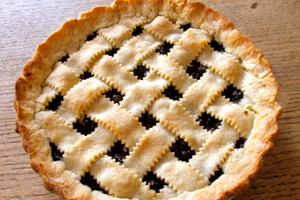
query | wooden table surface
[273, 25]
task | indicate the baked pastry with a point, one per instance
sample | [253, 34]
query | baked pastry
[147, 99]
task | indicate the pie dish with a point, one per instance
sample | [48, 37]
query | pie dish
[147, 99]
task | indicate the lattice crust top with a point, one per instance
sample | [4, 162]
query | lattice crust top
[224, 112]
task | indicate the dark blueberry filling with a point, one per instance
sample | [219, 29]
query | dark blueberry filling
[86, 75]
[114, 96]
[216, 175]
[88, 180]
[55, 153]
[216, 46]
[240, 143]
[147, 120]
[138, 30]
[85, 125]
[233, 94]
[64, 59]
[196, 69]
[164, 48]
[91, 36]
[182, 150]
[118, 152]
[209, 122]
[154, 182]
[112, 52]
[140, 71]
[172, 93]
[185, 26]
[55, 103]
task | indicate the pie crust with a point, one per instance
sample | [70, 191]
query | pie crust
[241, 65]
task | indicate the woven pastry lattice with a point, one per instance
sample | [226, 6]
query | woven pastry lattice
[106, 62]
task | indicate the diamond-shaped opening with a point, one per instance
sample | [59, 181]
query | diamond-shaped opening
[86, 75]
[196, 69]
[154, 182]
[233, 94]
[89, 180]
[55, 103]
[182, 150]
[141, 71]
[114, 96]
[209, 122]
[64, 59]
[55, 153]
[216, 46]
[91, 36]
[118, 152]
[217, 174]
[112, 52]
[172, 93]
[85, 125]
[164, 48]
[138, 30]
[240, 143]
[147, 120]
[185, 26]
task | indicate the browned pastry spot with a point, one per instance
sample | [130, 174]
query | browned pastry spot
[118, 152]
[55, 103]
[186, 26]
[216, 46]
[240, 143]
[196, 69]
[209, 122]
[85, 125]
[172, 93]
[217, 174]
[86, 75]
[91, 36]
[88, 180]
[147, 120]
[233, 94]
[114, 96]
[112, 52]
[154, 182]
[164, 48]
[182, 150]
[140, 71]
[138, 30]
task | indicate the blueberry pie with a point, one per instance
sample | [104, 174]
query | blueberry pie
[147, 99]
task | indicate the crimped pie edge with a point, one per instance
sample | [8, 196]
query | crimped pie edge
[57, 179]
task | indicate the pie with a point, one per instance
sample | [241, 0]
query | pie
[147, 99]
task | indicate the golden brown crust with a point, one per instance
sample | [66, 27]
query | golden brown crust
[241, 166]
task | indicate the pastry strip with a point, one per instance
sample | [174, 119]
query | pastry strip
[125, 127]
[189, 46]
[104, 169]
[215, 150]
[150, 148]
[62, 78]
[164, 29]
[59, 132]
[170, 169]
[170, 71]
[79, 98]
[202, 93]
[80, 60]
[136, 49]
[88, 149]
[235, 115]
[172, 115]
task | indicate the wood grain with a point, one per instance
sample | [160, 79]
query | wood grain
[274, 27]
